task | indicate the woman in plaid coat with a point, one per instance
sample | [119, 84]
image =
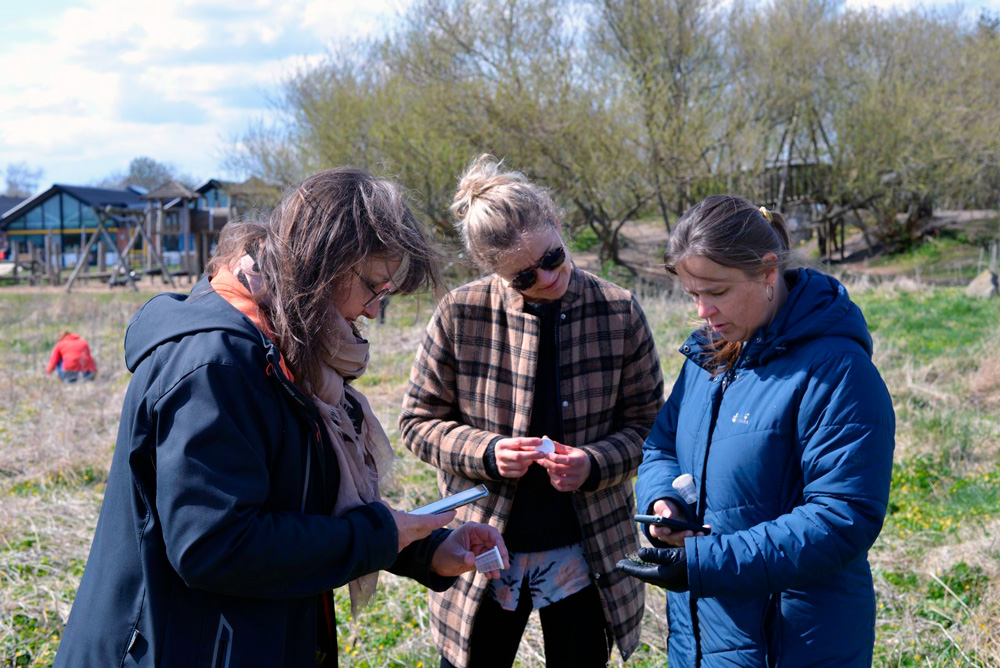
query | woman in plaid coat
[537, 348]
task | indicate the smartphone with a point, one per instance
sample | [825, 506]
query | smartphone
[672, 523]
[452, 502]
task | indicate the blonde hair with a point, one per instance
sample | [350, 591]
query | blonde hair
[494, 209]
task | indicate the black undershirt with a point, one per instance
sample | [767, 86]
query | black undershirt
[542, 518]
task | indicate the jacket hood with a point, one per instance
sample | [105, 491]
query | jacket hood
[168, 317]
[817, 306]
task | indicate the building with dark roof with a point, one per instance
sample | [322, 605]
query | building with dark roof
[7, 203]
[181, 223]
[67, 212]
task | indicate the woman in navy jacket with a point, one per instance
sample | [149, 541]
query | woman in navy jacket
[787, 429]
[244, 483]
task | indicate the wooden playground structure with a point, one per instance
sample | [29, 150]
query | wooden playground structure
[127, 244]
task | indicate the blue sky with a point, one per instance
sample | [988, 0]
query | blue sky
[87, 85]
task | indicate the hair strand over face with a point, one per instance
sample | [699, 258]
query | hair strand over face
[327, 226]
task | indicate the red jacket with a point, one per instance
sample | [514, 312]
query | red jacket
[74, 353]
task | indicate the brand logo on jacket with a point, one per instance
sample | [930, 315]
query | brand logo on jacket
[741, 419]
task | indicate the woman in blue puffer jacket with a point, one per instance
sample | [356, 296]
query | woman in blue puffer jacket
[787, 430]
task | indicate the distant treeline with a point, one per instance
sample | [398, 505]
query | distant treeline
[642, 107]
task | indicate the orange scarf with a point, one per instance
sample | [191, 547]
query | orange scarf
[239, 297]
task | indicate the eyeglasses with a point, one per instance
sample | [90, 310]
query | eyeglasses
[377, 295]
[526, 278]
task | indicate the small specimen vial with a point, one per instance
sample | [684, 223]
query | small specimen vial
[684, 484]
[489, 561]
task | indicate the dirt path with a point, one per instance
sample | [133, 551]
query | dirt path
[641, 247]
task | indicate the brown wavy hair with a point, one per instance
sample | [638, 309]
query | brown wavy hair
[732, 232]
[321, 232]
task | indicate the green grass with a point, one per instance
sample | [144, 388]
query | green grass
[943, 258]
[929, 497]
[930, 323]
[942, 602]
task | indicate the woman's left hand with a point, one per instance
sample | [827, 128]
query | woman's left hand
[457, 553]
[568, 467]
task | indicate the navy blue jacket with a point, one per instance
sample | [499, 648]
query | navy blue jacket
[792, 457]
[215, 537]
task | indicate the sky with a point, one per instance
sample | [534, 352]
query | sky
[88, 85]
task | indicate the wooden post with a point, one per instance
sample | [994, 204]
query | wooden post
[36, 263]
[50, 256]
[102, 253]
[58, 257]
[147, 218]
[186, 254]
[158, 233]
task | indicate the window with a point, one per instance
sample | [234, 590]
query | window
[71, 211]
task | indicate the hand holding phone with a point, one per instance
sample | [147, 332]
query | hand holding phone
[452, 502]
[672, 523]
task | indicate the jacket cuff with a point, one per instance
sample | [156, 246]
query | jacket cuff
[593, 480]
[374, 526]
[415, 562]
[490, 460]
[694, 575]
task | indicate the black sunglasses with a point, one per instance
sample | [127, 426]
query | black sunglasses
[526, 278]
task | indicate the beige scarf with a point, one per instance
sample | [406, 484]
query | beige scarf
[364, 459]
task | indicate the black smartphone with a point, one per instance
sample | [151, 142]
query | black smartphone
[452, 502]
[673, 524]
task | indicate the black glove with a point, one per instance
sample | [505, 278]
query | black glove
[662, 566]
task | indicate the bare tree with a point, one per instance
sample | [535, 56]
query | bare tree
[670, 54]
[145, 172]
[22, 180]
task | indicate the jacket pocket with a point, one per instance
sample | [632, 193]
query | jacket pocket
[223, 644]
[136, 650]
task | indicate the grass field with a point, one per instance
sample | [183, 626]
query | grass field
[937, 562]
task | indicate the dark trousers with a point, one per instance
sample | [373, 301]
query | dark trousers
[574, 630]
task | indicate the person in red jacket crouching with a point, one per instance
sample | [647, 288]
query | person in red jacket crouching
[71, 358]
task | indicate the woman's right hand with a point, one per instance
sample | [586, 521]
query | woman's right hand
[675, 537]
[515, 455]
[412, 528]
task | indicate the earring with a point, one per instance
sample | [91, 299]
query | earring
[770, 292]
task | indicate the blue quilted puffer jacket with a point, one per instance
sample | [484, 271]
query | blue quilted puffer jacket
[791, 452]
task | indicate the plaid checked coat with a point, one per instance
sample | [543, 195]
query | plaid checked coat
[473, 381]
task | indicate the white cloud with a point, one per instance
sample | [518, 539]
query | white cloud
[89, 88]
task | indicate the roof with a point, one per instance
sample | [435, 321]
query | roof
[7, 203]
[214, 183]
[171, 190]
[102, 197]
[99, 198]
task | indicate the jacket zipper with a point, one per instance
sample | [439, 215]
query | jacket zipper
[724, 384]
